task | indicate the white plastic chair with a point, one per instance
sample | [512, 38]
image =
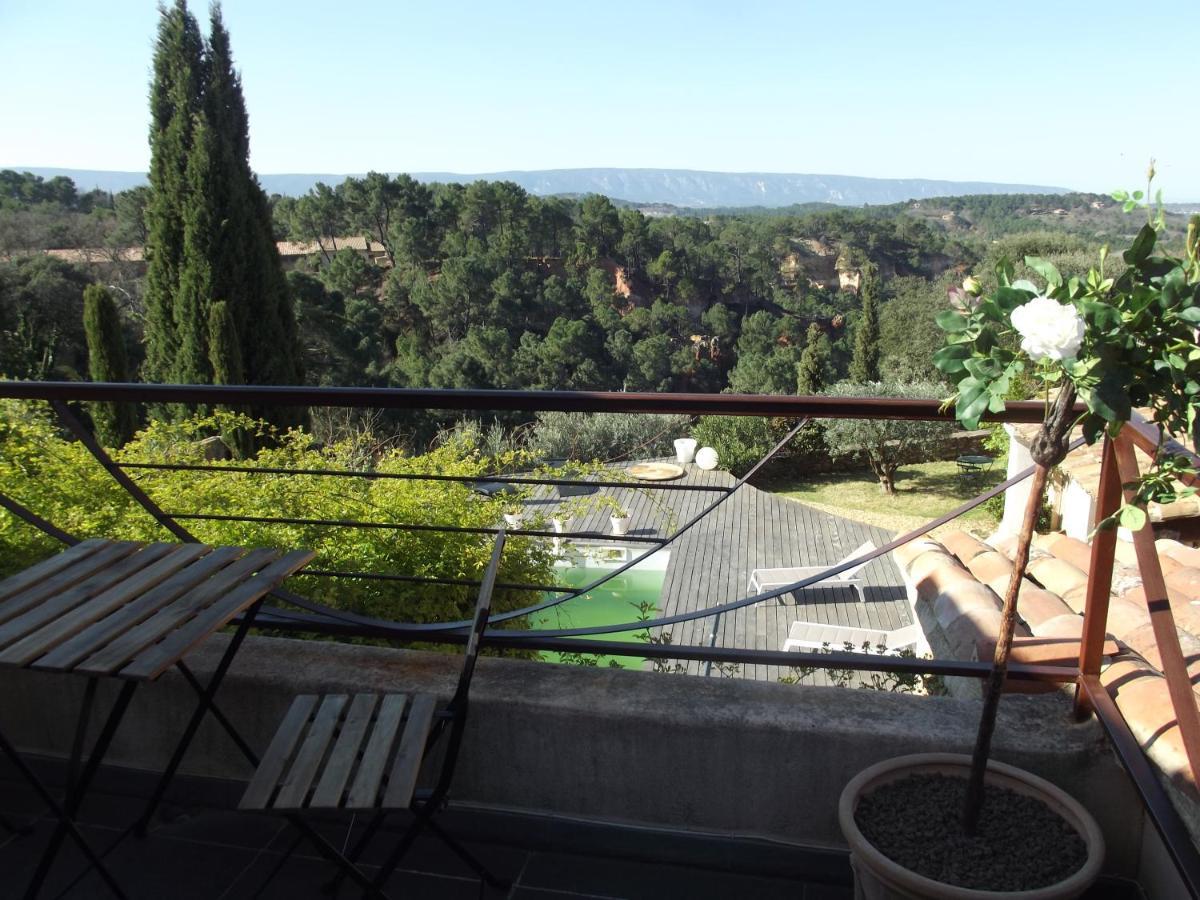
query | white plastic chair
[766, 579]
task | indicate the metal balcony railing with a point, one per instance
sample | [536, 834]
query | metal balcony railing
[300, 614]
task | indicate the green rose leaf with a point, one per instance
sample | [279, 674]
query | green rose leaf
[1046, 269]
[949, 359]
[1190, 314]
[952, 322]
[1101, 315]
[1142, 247]
[973, 400]
[1109, 399]
[1132, 517]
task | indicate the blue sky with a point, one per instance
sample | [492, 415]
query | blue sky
[1077, 94]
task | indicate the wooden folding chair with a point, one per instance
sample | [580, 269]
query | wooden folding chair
[362, 753]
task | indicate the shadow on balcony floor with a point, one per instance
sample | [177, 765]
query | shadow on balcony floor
[200, 849]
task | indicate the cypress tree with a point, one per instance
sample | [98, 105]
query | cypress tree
[193, 298]
[864, 366]
[115, 422]
[247, 269]
[174, 102]
[224, 349]
[810, 371]
[210, 231]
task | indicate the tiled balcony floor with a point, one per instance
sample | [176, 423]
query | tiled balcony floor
[203, 851]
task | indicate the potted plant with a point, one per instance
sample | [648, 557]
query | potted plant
[514, 515]
[1115, 342]
[619, 519]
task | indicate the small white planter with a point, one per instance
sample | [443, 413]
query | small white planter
[560, 525]
[685, 449]
[620, 524]
[513, 520]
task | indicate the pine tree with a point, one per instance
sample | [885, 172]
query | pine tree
[174, 102]
[115, 422]
[810, 371]
[864, 366]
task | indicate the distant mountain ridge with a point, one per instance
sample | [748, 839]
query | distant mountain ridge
[678, 187]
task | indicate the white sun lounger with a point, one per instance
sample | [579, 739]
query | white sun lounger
[814, 636]
[766, 579]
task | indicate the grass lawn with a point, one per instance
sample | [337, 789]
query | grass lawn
[924, 491]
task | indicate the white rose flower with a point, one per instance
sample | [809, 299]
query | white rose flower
[1049, 329]
[972, 285]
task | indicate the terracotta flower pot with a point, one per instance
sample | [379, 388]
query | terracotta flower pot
[876, 877]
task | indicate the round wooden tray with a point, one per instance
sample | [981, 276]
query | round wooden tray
[656, 471]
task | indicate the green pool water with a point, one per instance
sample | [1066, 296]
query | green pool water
[617, 600]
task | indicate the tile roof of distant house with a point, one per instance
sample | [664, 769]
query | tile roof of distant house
[87, 255]
[1083, 467]
[309, 248]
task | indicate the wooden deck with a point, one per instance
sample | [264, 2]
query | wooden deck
[711, 564]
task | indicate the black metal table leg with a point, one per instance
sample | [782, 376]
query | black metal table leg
[76, 792]
[203, 706]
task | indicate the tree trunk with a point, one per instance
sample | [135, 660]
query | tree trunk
[995, 683]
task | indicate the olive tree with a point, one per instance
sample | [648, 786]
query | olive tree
[886, 443]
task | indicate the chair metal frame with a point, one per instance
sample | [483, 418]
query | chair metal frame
[451, 720]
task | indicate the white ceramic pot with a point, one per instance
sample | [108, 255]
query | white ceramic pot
[878, 878]
[560, 525]
[685, 449]
[706, 458]
[620, 524]
[513, 520]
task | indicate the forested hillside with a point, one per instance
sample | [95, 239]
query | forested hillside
[485, 285]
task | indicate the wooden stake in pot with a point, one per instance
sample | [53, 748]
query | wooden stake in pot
[1048, 450]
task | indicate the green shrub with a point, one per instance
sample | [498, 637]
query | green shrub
[60, 481]
[605, 436]
[740, 441]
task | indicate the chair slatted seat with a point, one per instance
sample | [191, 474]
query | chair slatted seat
[356, 753]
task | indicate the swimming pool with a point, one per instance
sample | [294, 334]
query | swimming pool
[620, 599]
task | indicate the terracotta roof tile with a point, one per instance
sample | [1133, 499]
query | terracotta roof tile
[990, 567]
[964, 546]
[1055, 574]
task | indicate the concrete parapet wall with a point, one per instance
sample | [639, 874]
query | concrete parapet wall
[705, 754]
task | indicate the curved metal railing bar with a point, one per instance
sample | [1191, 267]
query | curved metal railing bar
[426, 476]
[430, 579]
[25, 514]
[402, 526]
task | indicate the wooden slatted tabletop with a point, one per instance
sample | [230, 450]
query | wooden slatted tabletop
[344, 752]
[130, 609]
